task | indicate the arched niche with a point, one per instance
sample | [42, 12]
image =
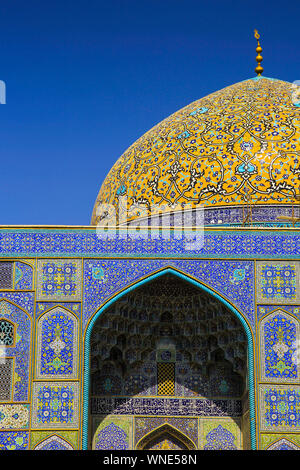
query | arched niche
[53, 442]
[283, 444]
[279, 335]
[57, 344]
[165, 437]
[113, 342]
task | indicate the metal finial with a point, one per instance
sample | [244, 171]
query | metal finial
[259, 70]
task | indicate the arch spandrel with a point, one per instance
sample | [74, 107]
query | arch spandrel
[230, 280]
[165, 432]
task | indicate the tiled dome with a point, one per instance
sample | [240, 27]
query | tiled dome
[237, 144]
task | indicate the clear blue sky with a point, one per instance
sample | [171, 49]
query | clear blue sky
[85, 79]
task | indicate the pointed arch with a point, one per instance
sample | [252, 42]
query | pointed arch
[3, 299]
[202, 286]
[18, 359]
[165, 430]
[283, 444]
[278, 360]
[53, 442]
[53, 342]
[8, 330]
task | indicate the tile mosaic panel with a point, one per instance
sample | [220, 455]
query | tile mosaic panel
[279, 408]
[112, 433]
[23, 276]
[223, 244]
[280, 441]
[21, 349]
[59, 280]
[38, 439]
[118, 274]
[14, 416]
[279, 340]
[57, 345]
[219, 434]
[74, 307]
[14, 440]
[278, 282]
[55, 405]
[145, 424]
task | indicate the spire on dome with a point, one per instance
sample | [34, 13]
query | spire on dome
[259, 70]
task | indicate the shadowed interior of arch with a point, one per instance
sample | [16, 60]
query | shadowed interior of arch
[165, 340]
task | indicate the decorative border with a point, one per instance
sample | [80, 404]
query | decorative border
[223, 242]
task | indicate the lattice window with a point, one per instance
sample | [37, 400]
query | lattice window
[6, 370]
[165, 378]
[6, 275]
[6, 333]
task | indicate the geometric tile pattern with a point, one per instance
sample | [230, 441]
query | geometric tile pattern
[165, 378]
[280, 408]
[59, 280]
[279, 337]
[57, 344]
[6, 275]
[278, 282]
[165, 437]
[55, 405]
[6, 376]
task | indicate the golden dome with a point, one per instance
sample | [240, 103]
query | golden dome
[236, 145]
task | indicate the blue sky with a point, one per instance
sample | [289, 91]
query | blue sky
[85, 79]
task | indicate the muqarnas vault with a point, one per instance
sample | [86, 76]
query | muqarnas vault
[129, 342]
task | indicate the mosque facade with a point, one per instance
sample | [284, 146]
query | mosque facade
[180, 328]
